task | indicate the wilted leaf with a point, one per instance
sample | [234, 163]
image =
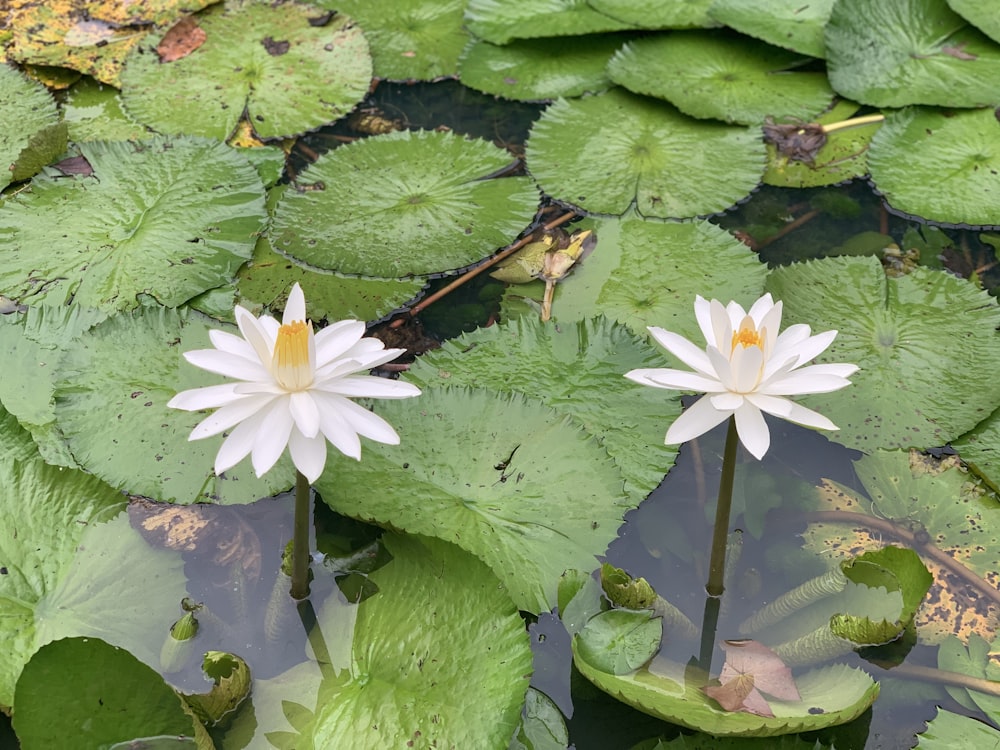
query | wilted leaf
[751, 668]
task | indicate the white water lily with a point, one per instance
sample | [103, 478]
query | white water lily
[746, 368]
[294, 389]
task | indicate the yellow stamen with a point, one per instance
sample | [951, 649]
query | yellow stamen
[748, 336]
[290, 362]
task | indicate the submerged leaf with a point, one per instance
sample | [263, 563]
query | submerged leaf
[750, 669]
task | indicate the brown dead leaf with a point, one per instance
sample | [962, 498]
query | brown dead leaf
[183, 38]
[752, 669]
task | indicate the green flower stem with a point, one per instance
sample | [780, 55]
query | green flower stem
[300, 539]
[720, 533]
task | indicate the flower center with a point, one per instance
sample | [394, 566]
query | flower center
[748, 336]
[290, 363]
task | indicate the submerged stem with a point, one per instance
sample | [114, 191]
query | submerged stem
[300, 539]
[720, 533]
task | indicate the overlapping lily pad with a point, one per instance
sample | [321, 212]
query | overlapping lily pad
[498, 21]
[292, 67]
[576, 370]
[919, 339]
[899, 52]
[606, 153]
[981, 14]
[404, 204]
[943, 166]
[27, 112]
[949, 730]
[93, 112]
[655, 14]
[164, 218]
[114, 412]
[785, 23]
[540, 69]
[410, 39]
[728, 78]
[523, 487]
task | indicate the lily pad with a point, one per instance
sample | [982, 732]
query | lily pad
[942, 166]
[972, 660]
[785, 23]
[116, 421]
[950, 730]
[290, 66]
[539, 69]
[166, 218]
[17, 443]
[542, 725]
[83, 692]
[576, 370]
[523, 487]
[728, 78]
[410, 39]
[606, 153]
[63, 545]
[498, 21]
[655, 14]
[937, 329]
[26, 110]
[899, 52]
[93, 112]
[981, 14]
[427, 194]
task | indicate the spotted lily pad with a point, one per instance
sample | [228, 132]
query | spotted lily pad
[498, 21]
[942, 166]
[608, 152]
[27, 111]
[522, 487]
[937, 329]
[728, 78]
[784, 23]
[292, 67]
[164, 218]
[427, 194]
[899, 52]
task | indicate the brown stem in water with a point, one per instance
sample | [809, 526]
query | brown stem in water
[789, 227]
[957, 679]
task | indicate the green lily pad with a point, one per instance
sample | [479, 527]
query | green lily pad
[426, 193]
[937, 329]
[608, 152]
[410, 39]
[498, 22]
[981, 14]
[942, 166]
[17, 443]
[728, 78]
[26, 110]
[522, 487]
[647, 273]
[784, 23]
[93, 112]
[950, 730]
[980, 449]
[663, 690]
[576, 370]
[899, 52]
[539, 69]
[620, 641]
[843, 156]
[116, 421]
[972, 660]
[655, 14]
[542, 725]
[439, 619]
[83, 692]
[64, 542]
[290, 66]
[166, 218]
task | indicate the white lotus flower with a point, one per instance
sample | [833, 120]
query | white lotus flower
[294, 389]
[746, 368]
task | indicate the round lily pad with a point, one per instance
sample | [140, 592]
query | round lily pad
[523, 487]
[937, 329]
[410, 39]
[730, 78]
[899, 52]
[93, 112]
[292, 67]
[498, 22]
[656, 14]
[165, 218]
[980, 13]
[26, 111]
[608, 152]
[538, 69]
[942, 166]
[404, 204]
[784, 23]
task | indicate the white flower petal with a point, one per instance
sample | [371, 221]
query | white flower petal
[368, 386]
[752, 429]
[809, 349]
[748, 366]
[765, 307]
[683, 349]
[305, 413]
[235, 345]
[727, 402]
[226, 364]
[208, 397]
[791, 336]
[335, 427]
[677, 380]
[251, 329]
[840, 369]
[337, 338]
[229, 416]
[723, 326]
[768, 323]
[240, 442]
[272, 437]
[791, 411]
[245, 389]
[801, 382]
[308, 454]
[295, 308]
[696, 420]
[269, 327]
[723, 369]
[703, 314]
[367, 424]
